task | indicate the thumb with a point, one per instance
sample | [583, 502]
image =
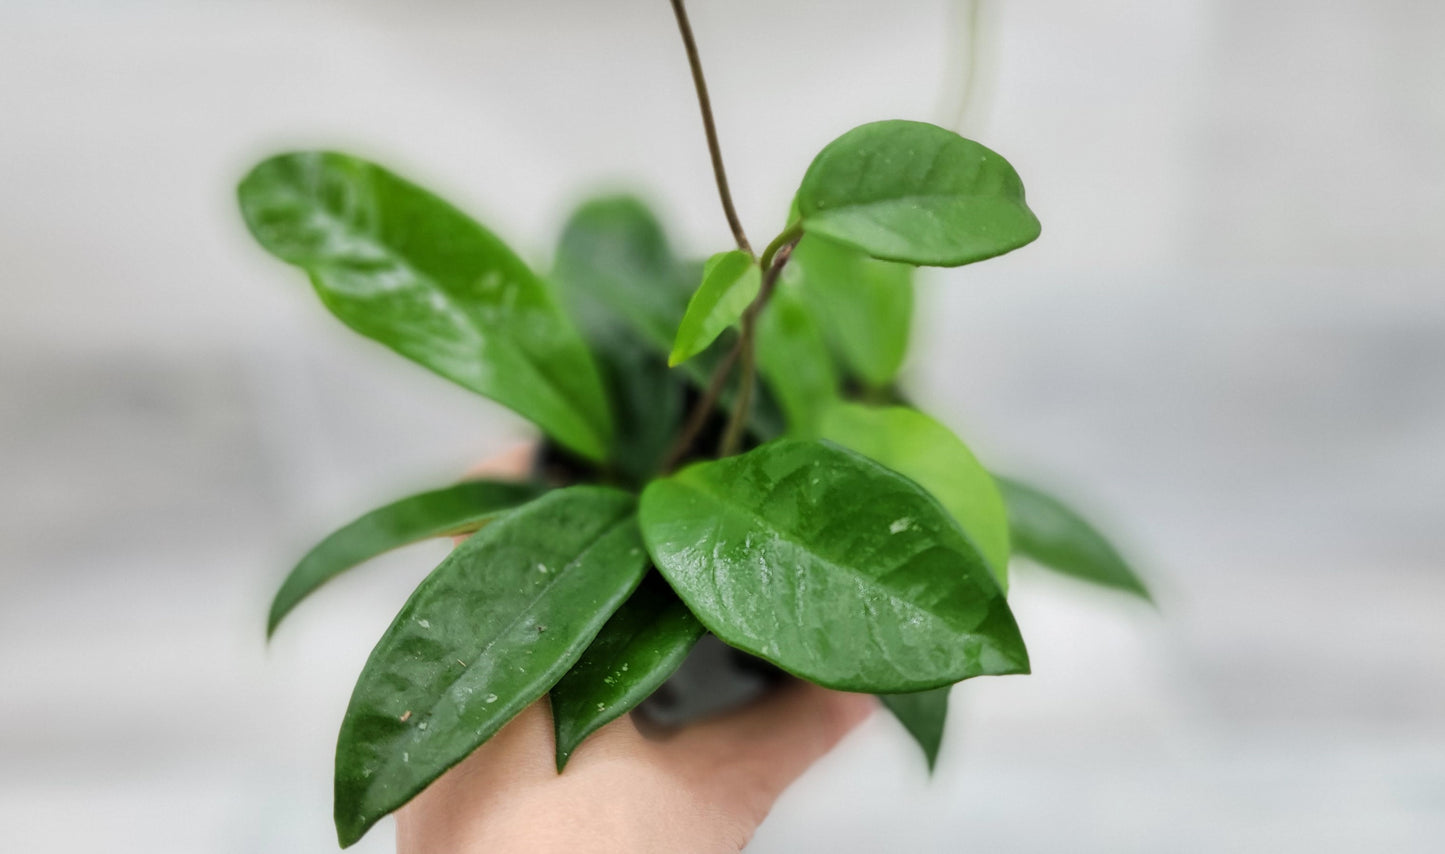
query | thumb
[747, 758]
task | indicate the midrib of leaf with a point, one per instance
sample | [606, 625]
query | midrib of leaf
[557, 394]
[498, 635]
[764, 522]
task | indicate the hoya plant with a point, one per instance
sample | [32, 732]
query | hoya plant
[726, 450]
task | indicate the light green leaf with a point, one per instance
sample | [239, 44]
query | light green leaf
[404, 268]
[639, 648]
[914, 192]
[920, 448]
[923, 714]
[832, 567]
[454, 510]
[864, 305]
[730, 282]
[487, 633]
[1048, 532]
[793, 359]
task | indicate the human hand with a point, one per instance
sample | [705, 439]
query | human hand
[702, 789]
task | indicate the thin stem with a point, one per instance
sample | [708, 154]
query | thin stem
[776, 257]
[705, 104]
[704, 408]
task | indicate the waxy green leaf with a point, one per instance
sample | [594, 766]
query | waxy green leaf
[864, 306]
[832, 567]
[916, 193]
[404, 268]
[619, 278]
[614, 266]
[730, 281]
[924, 450]
[639, 648]
[454, 510]
[487, 633]
[1045, 530]
[923, 714]
[794, 361]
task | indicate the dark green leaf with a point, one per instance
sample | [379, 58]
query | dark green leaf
[403, 267]
[639, 648]
[1047, 531]
[794, 360]
[615, 267]
[920, 448]
[832, 567]
[730, 281]
[914, 192]
[923, 714]
[864, 305]
[440, 513]
[488, 632]
[620, 280]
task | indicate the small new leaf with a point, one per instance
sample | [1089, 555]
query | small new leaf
[832, 567]
[920, 448]
[639, 648]
[404, 268]
[917, 193]
[1047, 531]
[487, 633]
[454, 510]
[730, 281]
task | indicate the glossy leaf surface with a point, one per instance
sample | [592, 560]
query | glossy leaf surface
[488, 632]
[639, 648]
[832, 567]
[794, 361]
[404, 268]
[865, 306]
[916, 193]
[924, 450]
[923, 714]
[445, 512]
[730, 281]
[1047, 531]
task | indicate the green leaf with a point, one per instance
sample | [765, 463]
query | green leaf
[639, 648]
[864, 305]
[794, 360]
[832, 567]
[454, 510]
[1047, 531]
[924, 450]
[487, 633]
[923, 714]
[404, 268]
[620, 280]
[914, 192]
[614, 265]
[730, 281]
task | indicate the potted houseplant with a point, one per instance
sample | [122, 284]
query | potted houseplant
[726, 452]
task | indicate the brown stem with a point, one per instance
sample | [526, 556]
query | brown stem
[776, 256]
[704, 408]
[705, 104]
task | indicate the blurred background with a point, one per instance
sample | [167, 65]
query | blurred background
[1229, 344]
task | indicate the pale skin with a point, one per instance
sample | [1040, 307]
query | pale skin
[703, 789]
